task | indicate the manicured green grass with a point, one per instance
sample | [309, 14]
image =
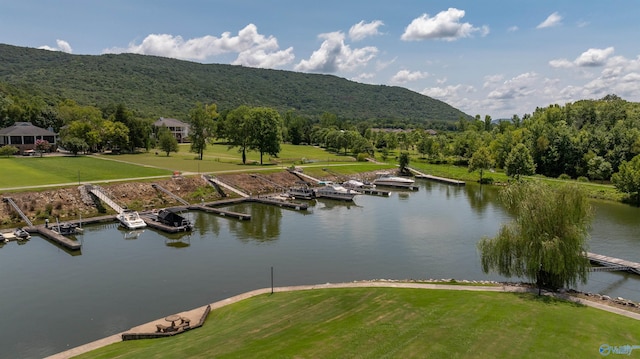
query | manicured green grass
[392, 323]
[36, 171]
[219, 158]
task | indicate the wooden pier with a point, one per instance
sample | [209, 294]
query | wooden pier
[220, 212]
[280, 203]
[55, 237]
[612, 264]
[374, 192]
[419, 174]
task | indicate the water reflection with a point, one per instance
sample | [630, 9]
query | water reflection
[264, 225]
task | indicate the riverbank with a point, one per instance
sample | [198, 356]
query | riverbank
[203, 345]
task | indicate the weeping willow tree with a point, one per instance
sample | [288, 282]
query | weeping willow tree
[547, 240]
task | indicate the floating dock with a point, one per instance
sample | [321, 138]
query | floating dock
[612, 264]
[374, 192]
[220, 212]
[419, 174]
[55, 237]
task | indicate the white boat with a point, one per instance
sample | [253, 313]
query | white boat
[355, 184]
[301, 192]
[336, 191]
[131, 219]
[21, 234]
[387, 179]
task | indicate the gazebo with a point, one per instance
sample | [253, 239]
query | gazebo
[24, 135]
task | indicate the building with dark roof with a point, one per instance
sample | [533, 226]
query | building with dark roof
[24, 135]
[179, 129]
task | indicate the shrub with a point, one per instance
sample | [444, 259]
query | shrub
[582, 179]
[362, 157]
[564, 176]
[486, 180]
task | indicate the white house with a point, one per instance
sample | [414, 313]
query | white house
[179, 129]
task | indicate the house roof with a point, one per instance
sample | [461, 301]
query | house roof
[25, 129]
[170, 122]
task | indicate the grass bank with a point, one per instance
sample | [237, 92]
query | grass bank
[388, 322]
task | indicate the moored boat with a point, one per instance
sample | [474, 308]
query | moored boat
[336, 191]
[131, 219]
[21, 234]
[301, 192]
[389, 180]
[174, 219]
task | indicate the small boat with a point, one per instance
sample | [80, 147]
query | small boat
[131, 219]
[336, 191]
[21, 234]
[174, 219]
[389, 180]
[66, 229]
[356, 185]
[302, 192]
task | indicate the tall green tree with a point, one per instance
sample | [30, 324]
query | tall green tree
[166, 141]
[547, 240]
[238, 129]
[265, 136]
[481, 161]
[519, 162]
[627, 179]
[201, 119]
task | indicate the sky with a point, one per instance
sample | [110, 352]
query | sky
[484, 57]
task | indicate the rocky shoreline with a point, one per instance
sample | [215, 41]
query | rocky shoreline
[72, 203]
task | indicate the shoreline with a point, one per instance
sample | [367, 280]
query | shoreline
[437, 285]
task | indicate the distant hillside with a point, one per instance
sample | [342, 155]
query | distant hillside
[156, 86]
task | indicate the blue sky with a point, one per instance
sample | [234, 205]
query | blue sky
[496, 58]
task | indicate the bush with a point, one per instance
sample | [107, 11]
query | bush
[582, 179]
[486, 180]
[564, 176]
[362, 157]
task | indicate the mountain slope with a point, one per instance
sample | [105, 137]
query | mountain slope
[157, 86]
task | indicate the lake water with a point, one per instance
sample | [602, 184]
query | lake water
[52, 300]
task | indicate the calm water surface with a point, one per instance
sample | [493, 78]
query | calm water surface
[55, 300]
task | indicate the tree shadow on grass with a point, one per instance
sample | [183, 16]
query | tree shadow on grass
[549, 299]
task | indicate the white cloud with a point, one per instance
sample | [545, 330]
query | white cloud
[589, 58]
[517, 87]
[362, 30]
[594, 57]
[513, 29]
[363, 77]
[61, 46]
[335, 56]
[404, 76]
[253, 49]
[445, 25]
[552, 20]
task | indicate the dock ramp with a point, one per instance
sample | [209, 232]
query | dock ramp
[97, 191]
[18, 210]
[304, 177]
[219, 183]
[176, 197]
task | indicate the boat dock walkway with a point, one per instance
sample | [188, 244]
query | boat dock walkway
[96, 191]
[55, 237]
[612, 264]
[280, 203]
[304, 177]
[219, 183]
[17, 209]
[172, 195]
[419, 174]
[220, 212]
[374, 192]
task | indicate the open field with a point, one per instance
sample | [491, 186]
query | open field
[392, 322]
[36, 171]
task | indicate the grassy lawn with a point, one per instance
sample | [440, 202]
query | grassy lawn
[387, 322]
[36, 171]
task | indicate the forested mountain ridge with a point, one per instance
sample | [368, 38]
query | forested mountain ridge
[156, 86]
